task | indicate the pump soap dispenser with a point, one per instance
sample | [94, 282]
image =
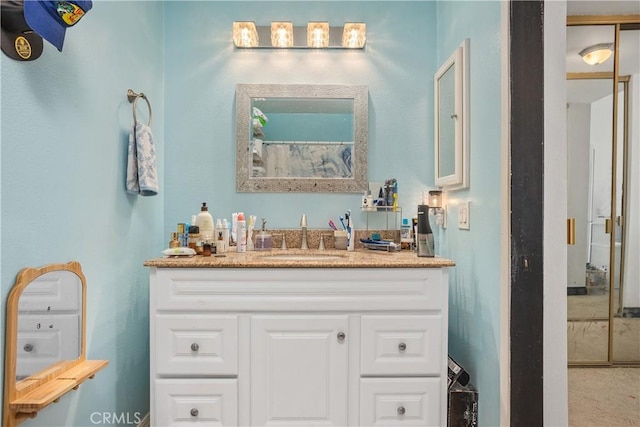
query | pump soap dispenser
[263, 239]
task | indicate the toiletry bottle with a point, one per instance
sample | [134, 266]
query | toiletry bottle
[242, 233]
[194, 237]
[425, 235]
[350, 232]
[225, 234]
[174, 243]
[204, 221]
[218, 229]
[220, 243]
[263, 239]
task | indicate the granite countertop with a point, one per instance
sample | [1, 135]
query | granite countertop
[296, 258]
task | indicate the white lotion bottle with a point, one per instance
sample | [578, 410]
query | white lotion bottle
[351, 233]
[242, 233]
[204, 221]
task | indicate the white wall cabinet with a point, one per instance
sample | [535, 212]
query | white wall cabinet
[298, 347]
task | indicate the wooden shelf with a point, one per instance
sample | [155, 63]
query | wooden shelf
[55, 387]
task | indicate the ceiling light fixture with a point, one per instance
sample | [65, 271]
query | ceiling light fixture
[597, 54]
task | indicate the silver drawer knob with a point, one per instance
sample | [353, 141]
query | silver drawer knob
[401, 410]
[28, 347]
[341, 336]
[195, 347]
[402, 346]
[194, 412]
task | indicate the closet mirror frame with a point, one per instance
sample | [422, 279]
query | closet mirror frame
[25, 398]
[619, 23]
[245, 182]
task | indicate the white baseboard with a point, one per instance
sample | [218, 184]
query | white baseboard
[145, 422]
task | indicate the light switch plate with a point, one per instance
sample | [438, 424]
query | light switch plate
[463, 215]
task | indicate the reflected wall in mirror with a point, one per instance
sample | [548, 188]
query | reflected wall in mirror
[451, 111]
[45, 340]
[301, 138]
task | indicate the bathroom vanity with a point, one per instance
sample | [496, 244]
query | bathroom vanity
[298, 339]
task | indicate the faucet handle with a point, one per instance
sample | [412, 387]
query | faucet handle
[283, 246]
[321, 246]
[303, 220]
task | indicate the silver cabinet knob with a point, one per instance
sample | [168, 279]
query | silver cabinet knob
[195, 347]
[341, 336]
[401, 410]
[402, 346]
[194, 412]
[28, 347]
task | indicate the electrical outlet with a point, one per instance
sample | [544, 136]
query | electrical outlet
[463, 216]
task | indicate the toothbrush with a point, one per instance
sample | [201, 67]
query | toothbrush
[342, 222]
[332, 225]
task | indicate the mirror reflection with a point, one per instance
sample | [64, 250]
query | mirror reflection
[49, 322]
[304, 138]
[296, 137]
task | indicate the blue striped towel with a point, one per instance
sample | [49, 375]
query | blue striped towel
[142, 177]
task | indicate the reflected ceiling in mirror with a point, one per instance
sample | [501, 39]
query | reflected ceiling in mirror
[301, 138]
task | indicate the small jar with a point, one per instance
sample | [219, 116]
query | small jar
[206, 249]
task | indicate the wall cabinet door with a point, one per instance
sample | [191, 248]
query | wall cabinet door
[299, 370]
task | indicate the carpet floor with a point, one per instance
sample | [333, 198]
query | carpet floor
[604, 397]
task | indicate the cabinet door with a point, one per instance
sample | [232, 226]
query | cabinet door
[299, 370]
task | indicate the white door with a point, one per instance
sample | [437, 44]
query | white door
[299, 370]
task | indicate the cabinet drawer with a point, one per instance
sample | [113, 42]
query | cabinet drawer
[196, 345]
[211, 402]
[400, 401]
[401, 345]
[46, 339]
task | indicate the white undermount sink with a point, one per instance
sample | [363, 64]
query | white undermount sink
[303, 257]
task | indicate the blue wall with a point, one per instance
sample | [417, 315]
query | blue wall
[474, 292]
[65, 119]
[62, 193]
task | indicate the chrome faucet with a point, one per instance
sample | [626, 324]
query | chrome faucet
[303, 225]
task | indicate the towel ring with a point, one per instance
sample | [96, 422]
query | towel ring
[133, 98]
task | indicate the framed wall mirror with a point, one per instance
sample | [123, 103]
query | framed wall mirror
[451, 112]
[301, 138]
[45, 340]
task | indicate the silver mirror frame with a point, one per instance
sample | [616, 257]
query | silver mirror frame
[246, 183]
[459, 63]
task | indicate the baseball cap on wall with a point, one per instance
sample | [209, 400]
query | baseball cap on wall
[19, 41]
[51, 19]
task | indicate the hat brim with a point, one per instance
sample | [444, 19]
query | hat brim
[43, 23]
[18, 41]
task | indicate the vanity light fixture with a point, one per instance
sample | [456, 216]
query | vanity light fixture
[597, 54]
[318, 34]
[245, 34]
[436, 205]
[281, 34]
[354, 35]
[314, 35]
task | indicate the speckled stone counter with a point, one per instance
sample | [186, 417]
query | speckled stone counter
[296, 258]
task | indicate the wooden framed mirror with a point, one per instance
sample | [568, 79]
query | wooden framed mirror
[45, 340]
[451, 112]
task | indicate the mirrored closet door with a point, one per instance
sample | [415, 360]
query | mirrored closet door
[603, 258]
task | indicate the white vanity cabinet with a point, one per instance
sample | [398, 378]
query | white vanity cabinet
[298, 346]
